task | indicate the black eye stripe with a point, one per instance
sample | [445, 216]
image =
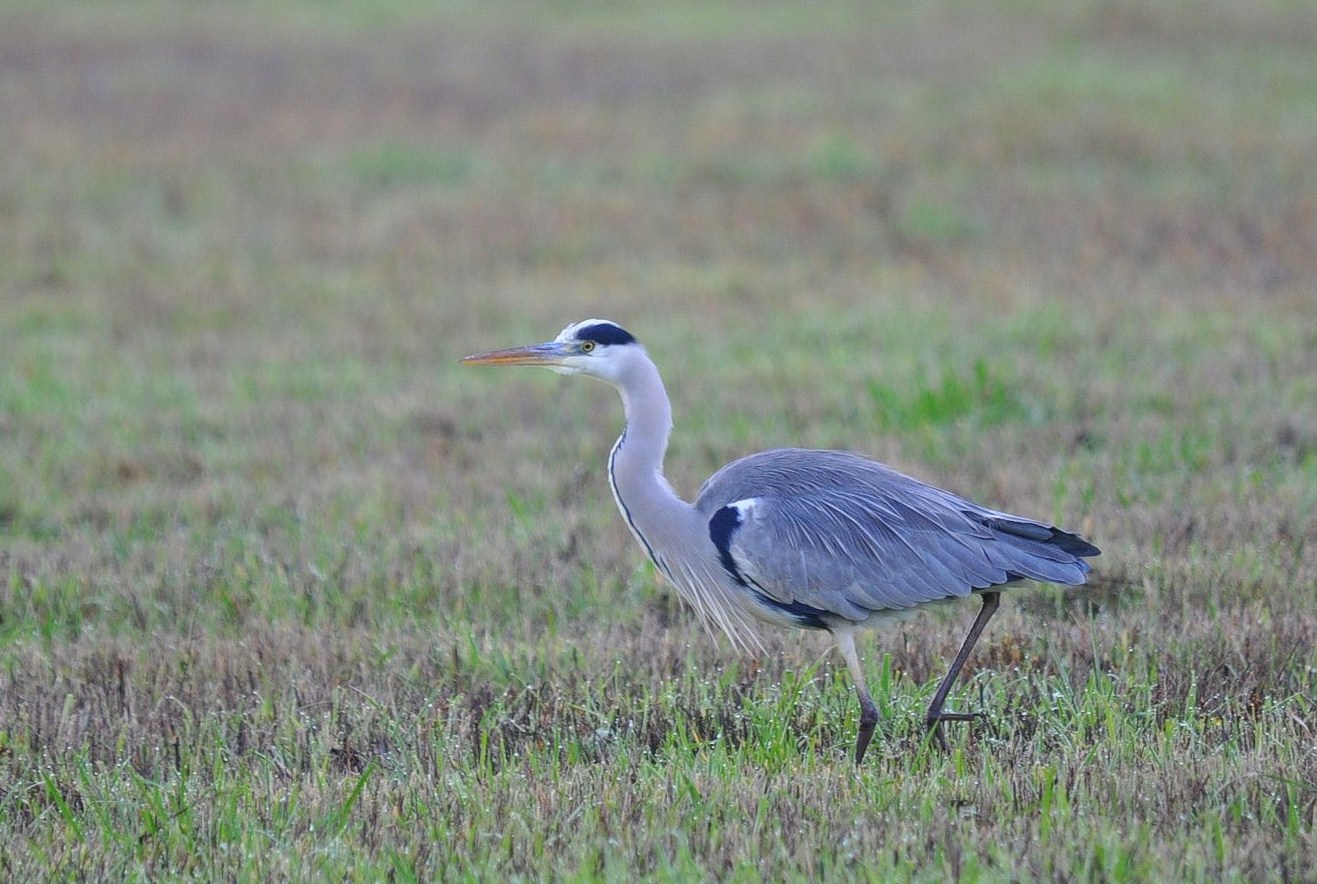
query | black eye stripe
[605, 333]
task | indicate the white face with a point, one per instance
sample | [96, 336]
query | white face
[590, 356]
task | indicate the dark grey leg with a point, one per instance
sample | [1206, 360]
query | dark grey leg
[935, 714]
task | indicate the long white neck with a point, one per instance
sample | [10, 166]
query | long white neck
[648, 422]
[656, 515]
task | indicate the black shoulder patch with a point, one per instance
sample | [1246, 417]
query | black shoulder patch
[605, 333]
[721, 527]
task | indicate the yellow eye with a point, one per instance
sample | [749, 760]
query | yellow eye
[587, 346]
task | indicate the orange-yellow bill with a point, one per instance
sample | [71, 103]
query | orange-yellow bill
[539, 354]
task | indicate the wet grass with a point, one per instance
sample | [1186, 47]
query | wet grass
[285, 593]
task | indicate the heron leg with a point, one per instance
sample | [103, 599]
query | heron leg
[935, 713]
[868, 711]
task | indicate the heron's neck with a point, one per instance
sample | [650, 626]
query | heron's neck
[648, 423]
[636, 465]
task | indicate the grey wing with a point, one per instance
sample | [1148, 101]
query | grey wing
[835, 533]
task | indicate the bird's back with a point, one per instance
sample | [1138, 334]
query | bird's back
[837, 534]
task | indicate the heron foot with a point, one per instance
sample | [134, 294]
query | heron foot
[936, 718]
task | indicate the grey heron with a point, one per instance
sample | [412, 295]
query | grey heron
[810, 539]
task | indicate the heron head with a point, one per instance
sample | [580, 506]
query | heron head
[595, 347]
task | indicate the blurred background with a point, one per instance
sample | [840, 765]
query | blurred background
[1058, 257]
[244, 244]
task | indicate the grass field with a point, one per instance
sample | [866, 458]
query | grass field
[286, 593]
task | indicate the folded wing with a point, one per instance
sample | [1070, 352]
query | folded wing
[835, 532]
